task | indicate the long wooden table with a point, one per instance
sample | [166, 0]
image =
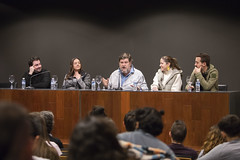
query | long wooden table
[199, 110]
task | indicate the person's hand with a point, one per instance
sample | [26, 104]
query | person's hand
[77, 75]
[31, 70]
[154, 88]
[105, 82]
[197, 70]
[189, 86]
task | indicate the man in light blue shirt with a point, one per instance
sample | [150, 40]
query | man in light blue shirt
[126, 77]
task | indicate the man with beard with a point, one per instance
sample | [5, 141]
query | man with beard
[36, 76]
[126, 77]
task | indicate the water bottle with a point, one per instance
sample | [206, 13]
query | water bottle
[197, 85]
[93, 84]
[52, 84]
[23, 83]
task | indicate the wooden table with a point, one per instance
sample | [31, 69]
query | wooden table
[199, 110]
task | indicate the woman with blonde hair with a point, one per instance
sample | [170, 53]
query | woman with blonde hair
[168, 77]
[214, 138]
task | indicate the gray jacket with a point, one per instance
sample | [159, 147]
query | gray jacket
[72, 83]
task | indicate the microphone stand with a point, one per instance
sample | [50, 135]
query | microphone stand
[30, 87]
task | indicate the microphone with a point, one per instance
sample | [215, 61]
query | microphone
[30, 87]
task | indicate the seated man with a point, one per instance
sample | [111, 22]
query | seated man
[230, 128]
[129, 121]
[205, 72]
[36, 76]
[178, 133]
[126, 76]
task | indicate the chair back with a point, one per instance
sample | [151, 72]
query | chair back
[8, 84]
[222, 87]
[183, 158]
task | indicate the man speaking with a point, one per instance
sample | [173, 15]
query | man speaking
[36, 76]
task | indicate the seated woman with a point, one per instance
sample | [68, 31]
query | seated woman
[168, 77]
[149, 126]
[77, 78]
[214, 138]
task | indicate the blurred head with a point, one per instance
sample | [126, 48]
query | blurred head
[230, 125]
[178, 131]
[98, 111]
[75, 65]
[202, 60]
[167, 62]
[125, 63]
[94, 138]
[130, 121]
[36, 63]
[15, 139]
[214, 138]
[150, 120]
[49, 119]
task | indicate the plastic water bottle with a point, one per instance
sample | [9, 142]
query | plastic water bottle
[52, 84]
[23, 83]
[197, 85]
[93, 84]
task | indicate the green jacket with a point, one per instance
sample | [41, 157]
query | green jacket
[211, 82]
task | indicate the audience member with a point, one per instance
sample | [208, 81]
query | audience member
[214, 138]
[178, 133]
[230, 129]
[15, 138]
[42, 147]
[149, 126]
[94, 138]
[49, 119]
[126, 76]
[98, 111]
[77, 78]
[205, 72]
[36, 76]
[130, 121]
[168, 77]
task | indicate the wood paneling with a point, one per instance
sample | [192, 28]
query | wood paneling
[198, 110]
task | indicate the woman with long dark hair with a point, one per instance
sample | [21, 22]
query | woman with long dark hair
[77, 78]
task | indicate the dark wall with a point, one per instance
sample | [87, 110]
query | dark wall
[98, 35]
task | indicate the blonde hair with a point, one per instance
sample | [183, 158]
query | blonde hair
[213, 139]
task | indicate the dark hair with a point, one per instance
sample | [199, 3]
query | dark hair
[14, 132]
[30, 61]
[204, 58]
[97, 135]
[98, 111]
[49, 119]
[150, 120]
[178, 131]
[130, 121]
[71, 70]
[125, 56]
[173, 62]
[230, 124]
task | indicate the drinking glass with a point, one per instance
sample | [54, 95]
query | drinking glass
[55, 78]
[11, 80]
[98, 80]
[189, 83]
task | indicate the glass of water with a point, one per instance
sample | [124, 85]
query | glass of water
[98, 80]
[11, 80]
